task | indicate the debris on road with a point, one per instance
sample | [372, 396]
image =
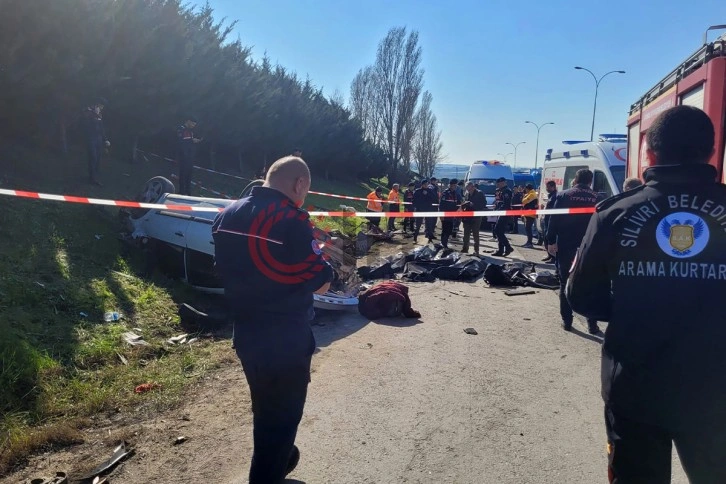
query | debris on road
[119, 453]
[181, 339]
[122, 358]
[180, 440]
[520, 292]
[470, 331]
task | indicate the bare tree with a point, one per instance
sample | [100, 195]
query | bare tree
[384, 96]
[337, 98]
[427, 146]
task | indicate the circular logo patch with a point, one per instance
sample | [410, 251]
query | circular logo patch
[316, 247]
[682, 235]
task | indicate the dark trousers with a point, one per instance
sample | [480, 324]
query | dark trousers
[641, 453]
[471, 227]
[500, 231]
[373, 220]
[277, 368]
[528, 225]
[457, 223]
[428, 222]
[564, 262]
[95, 148]
[408, 223]
[447, 228]
[186, 166]
[392, 220]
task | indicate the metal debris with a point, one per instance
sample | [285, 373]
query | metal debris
[180, 440]
[119, 453]
[181, 339]
[134, 339]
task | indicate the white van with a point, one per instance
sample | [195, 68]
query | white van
[484, 174]
[605, 158]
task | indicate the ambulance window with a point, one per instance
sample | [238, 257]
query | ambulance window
[601, 186]
[570, 173]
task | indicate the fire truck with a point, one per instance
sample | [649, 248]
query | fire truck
[698, 81]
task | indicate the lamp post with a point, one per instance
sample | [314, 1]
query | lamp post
[515, 150]
[597, 85]
[505, 156]
[536, 149]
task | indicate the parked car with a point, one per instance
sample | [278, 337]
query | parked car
[181, 243]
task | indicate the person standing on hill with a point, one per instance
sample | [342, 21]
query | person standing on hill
[96, 141]
[375, 206]
[187, 151]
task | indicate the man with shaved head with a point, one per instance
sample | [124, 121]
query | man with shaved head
[270, 266]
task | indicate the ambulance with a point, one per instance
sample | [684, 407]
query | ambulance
[606, 158]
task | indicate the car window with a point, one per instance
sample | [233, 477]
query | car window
[601, 185]
[570, 172]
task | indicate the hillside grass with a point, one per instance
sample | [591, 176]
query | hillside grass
[61, 269]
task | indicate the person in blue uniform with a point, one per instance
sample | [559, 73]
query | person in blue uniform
[503, 202]
[652, 263]
[424, 199]
[270, 265]
[564, 235]
[450, 202]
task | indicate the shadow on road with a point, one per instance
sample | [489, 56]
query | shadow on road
[399, 322]
[582, 334]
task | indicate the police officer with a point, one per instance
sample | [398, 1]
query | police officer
[653, 264]
[503, 202]
[564, 234]
[408, 206]
[424, 199]
[186, 143]
[551, 188]
[450, 202]
[270, 266]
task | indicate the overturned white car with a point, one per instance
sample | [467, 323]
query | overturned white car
[181, 243]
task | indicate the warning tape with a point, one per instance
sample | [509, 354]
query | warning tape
[190, 208]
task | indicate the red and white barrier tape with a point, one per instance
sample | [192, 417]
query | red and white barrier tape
[189, 208]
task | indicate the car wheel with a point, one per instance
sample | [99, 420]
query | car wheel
[248, 189]
[151, 193]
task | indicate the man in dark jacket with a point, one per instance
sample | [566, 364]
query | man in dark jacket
[408, 206]
[270, 265]
[564, 234]
[450, 202]
[187, 151]
[474, 201]
[424, 199]
[653, 264]
[551, 188]
[503, 202]
[96, 141]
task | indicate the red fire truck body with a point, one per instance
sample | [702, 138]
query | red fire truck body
[699, 81]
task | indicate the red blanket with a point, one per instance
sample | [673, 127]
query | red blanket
[386, 300]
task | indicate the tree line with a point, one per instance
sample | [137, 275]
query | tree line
[394, 111]
[158, 62]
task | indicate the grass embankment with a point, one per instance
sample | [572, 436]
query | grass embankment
[61, 269]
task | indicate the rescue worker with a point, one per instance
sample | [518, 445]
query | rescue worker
[631, 183]
[474, 201]
[187, 151]
[551, 188]
[270, 266]
[92, 124]
[503, 202]
[529, 202]
[450, 202]
[375, 205]
[653, 264]
[564, 234]
[408, 206]
[394, 205]
[423, 201]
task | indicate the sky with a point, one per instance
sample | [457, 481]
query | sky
[491, 65]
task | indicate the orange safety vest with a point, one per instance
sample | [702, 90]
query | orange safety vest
[393, 197]
[374, 203]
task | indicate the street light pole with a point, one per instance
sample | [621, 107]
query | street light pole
[515, 150]
[536, 149]
[505, 156]
[597, 85]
